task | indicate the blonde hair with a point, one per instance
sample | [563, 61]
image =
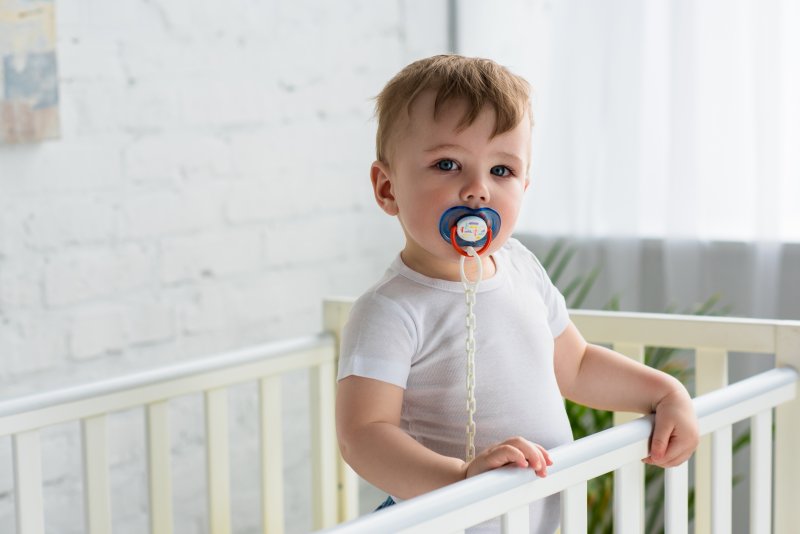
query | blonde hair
[478, 81]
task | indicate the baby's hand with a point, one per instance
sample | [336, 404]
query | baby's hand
[675, 435]
[513, 451]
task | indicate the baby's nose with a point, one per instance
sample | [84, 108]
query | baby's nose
[475, 190]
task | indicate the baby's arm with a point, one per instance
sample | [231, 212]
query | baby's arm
[604, 379]
[372, 442]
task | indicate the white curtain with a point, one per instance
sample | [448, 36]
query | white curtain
[673, 119]
[666, 145]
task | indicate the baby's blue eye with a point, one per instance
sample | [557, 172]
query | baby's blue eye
[500, 170]
[446, 165]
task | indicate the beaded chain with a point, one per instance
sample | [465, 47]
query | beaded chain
[470, 288]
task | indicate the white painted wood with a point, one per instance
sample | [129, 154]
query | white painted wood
[272, 517]
[714, 410]
[323, 447]
[787, 436]
[96, 488]
[629, 479]
[159, 467]
[711, 373]
[679, 331]
[629, 498]
[516, 521]
[218, 461]
[71, 404]
[676, 499]
[761, 472]
[27, 454]
[335, 313]
[721, 480]
[477, 499]
[31, 412]
[573, 509]
[348, 490]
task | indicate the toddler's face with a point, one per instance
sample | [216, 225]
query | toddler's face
[434, 168]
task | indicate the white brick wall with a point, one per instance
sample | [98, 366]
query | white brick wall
[210, 187]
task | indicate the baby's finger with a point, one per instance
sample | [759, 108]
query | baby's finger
[532, 453]
[659, 442]
[505, 454]
[545, 454]
[678, 452]
[540, 468]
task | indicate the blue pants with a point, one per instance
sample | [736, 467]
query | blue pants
[388, 502]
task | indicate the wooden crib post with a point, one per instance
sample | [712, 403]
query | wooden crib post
[711, 373]
[323, 446]
[27, 454]
[629, 489]
[335, 313]
[787, 436]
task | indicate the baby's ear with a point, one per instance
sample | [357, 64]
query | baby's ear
[383, 188]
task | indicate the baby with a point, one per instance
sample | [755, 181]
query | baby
[453, 145]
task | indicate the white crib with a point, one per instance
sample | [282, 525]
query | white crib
[774, 493]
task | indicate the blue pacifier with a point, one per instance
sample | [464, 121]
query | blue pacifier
[466, 227]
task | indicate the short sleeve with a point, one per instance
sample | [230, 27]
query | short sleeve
[378, 341]
[557, 314]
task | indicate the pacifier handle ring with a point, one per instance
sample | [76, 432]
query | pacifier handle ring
[461, 251]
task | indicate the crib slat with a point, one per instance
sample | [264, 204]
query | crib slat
[711, 373]
[516, 521]
[218, 461]
[721, 472]
[323, 452]
[761, 472]
[629, 498]
[629, 479]
[786, 491]
[159, 468]
[348, 490]
[95, 468]
[28, 482]
[573, 509]
[334, 317]
[271, 455]
[676, 499]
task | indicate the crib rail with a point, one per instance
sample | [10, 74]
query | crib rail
[712, 339]
[507, 491]
[22, 418]
[335, 486]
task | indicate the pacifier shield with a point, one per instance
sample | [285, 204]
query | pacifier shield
[472, 225]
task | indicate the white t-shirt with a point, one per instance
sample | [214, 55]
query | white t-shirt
[410, 330]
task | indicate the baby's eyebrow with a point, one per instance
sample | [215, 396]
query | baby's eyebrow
[510, 156]
[444, 147]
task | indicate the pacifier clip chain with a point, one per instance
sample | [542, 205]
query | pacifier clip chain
[466, 228]
[470, 288]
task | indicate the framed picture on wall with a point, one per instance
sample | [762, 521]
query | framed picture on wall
[28, 71]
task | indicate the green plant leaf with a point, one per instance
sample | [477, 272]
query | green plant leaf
[562, 264]
[586, 286]
[552, 254]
